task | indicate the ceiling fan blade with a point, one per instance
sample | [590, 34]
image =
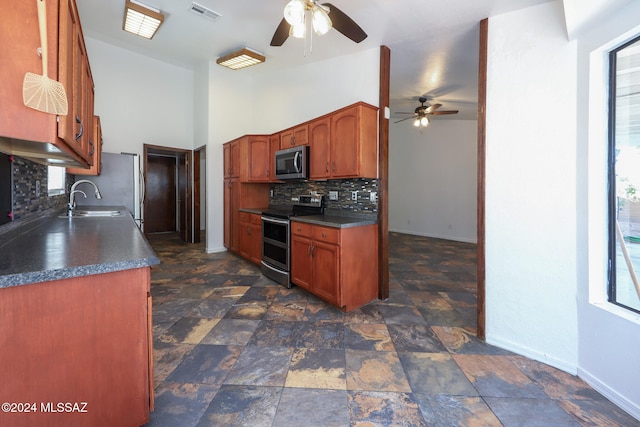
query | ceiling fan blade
[402, 112]
[433, 107]
[281, 34]
[345, 25]
[440, 113]
[402, 120]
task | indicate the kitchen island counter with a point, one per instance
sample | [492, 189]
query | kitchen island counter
[76, 320]
[57, 248]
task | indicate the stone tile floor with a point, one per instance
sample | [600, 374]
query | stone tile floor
[232, 348]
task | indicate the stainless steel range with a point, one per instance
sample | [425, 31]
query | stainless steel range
[276, 257]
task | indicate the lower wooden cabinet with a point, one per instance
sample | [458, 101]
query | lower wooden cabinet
[84, 341]
[250, 231]
[339, 265]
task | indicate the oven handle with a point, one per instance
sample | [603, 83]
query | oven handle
[276, 221]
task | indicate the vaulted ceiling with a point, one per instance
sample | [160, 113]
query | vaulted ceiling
[434, 44]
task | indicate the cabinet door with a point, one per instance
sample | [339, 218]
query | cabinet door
[319, 151]
[231, 159]
[231, 214]
[274, 145]
[255, 237]
[244, 239]
[301, 262]
[96, 156]
[68, 34]
[294, 137]
[258, 159]
[345, 153]
[326, 268]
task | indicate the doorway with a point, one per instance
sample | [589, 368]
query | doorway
[167, 195]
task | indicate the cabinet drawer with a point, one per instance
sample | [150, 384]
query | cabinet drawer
[301, 229]
[256, 219]
[326, 234]
[244, 216]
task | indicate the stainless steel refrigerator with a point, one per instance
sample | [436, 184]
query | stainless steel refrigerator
[120, 182]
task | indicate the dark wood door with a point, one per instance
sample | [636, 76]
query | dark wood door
[160, 203]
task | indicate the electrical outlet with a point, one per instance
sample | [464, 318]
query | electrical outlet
[333, 195]
[271, 193]
[373, 196]
[354, 195]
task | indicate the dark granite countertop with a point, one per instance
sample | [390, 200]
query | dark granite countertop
[257, 211]
[56, 248]
[336, 221]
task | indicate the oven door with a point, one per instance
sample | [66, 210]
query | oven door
[275, 242]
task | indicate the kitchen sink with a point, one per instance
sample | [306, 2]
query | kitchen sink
[81, 213]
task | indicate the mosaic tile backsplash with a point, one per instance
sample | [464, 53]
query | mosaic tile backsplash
[282, 194]
[30, 199]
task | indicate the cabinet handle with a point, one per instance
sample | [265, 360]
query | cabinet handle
[324, 234]
[79, 135]
[299, 229]
[308, 250]
[313, 250]
[92, 148]
[327, 167]
[333, 166]
[293, 140]
[249, 231]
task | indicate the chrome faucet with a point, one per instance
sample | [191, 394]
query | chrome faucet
[72, 194]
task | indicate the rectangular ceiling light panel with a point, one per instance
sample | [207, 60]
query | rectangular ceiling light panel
[243, 58]
[141, 20]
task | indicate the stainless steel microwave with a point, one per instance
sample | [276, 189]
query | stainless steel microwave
[292, 163]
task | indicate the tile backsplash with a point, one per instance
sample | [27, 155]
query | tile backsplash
[29, 192]
[282, 194]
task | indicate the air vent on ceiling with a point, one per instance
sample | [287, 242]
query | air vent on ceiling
[200, 10]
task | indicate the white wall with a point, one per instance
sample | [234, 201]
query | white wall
[245, 102]
[432, 179]
[530, 224]
[609, 344]
[140, 100]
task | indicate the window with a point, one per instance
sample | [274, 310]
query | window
[55, 180]
[624, 175]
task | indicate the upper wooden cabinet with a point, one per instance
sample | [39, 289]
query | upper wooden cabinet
[354, 142]
[231, 156]
[344, 144]
[255, 151]
[30, 133]
[294, 137]
[274, 145]
[320, 147]
[249, 158]
[95, 153]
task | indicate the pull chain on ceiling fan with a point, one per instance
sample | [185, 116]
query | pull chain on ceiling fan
[323, 17]
[421, 113]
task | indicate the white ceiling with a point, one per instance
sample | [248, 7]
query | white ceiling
[434, 44]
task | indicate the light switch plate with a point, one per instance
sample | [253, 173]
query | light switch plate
[333, 195]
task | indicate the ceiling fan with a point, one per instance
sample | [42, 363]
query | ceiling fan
[421, 114]
[323, 17]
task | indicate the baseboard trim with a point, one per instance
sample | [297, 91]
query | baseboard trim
[561, 364]
[615, 397]
[435, 236]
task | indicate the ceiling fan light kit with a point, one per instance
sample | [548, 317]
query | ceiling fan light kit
[141, 20]
[295, 22]
[421, 114]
